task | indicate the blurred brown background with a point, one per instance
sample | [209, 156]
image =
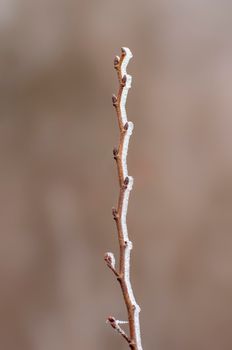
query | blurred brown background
[58, 180]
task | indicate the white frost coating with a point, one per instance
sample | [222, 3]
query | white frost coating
[128, 83]
[126, 195]
[121, 322]
[126, 59]
[124, 208]
[110, 259]
[124, 98]
[125, 148]
[127, 262]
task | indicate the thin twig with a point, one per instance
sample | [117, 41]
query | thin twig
[119, 214]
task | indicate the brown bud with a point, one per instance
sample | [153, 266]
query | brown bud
[106, 257]
[112, 321]
[114, 213]
[126, 126]
[116, 61]
[114, 100]
[123, 51]
[124, 79]
[126, 181]
[115, 152]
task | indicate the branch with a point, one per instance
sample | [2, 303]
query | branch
[115, 324]
[119, 214]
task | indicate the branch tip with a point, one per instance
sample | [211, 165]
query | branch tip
[110, 261]
[123, 50]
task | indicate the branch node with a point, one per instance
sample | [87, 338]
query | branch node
[119, 278]
[114, 100]
[126, 126]
[115, 213]
[124, 80]
[116, 61]
[126, 182]
[128, 244]
[132, 344]
[115, 152]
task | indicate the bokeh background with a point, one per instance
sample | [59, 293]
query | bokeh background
[58, 180]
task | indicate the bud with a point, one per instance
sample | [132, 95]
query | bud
[126, 126]
[114, 213]
[116, 61]
[123, 51]
[124, 79]
[114, 100]
[112, 321]
[126, 181]
[115, 152]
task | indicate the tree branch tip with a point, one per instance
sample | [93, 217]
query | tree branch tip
[110, 259]
[123, 50]
[111, 320]
[126, 51]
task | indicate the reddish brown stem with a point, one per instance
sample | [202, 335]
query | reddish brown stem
[119, 214]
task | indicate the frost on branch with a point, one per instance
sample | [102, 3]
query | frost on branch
[120, 213]
[110, 261]
[115, 324]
